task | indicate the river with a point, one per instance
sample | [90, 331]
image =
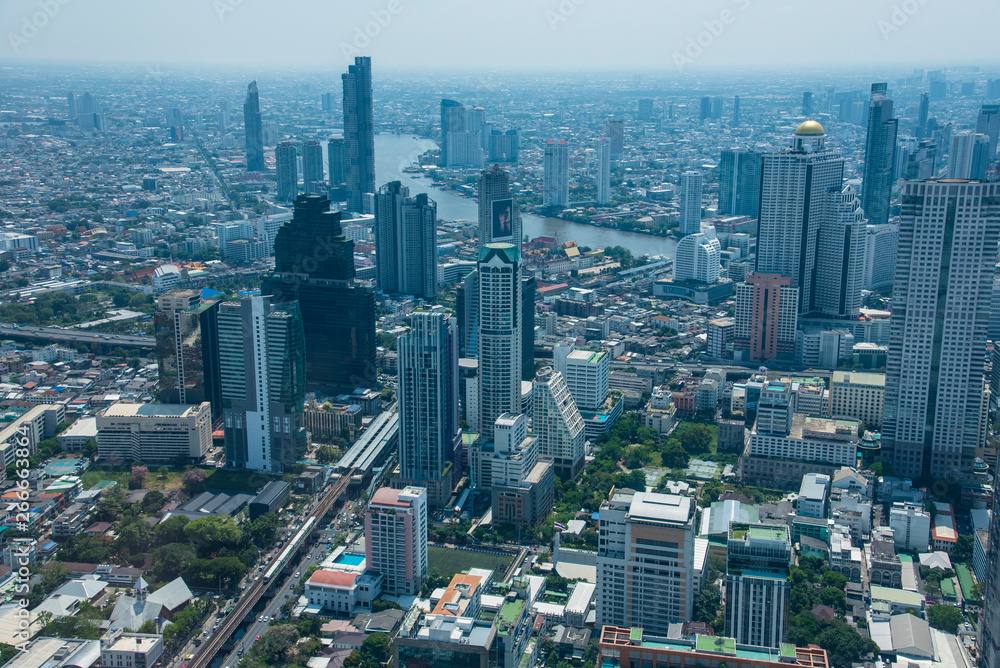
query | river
[395, 152]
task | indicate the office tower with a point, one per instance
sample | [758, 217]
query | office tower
[262, 368]
[587, 374]
[71, 104]
[766, 318]
[989, 620]
[500, 335]
[312, 168]
[881, 244]
[314, 264]
[335, 160]
[807, 104]
[452, 120]
[697, 258]
[405, 242]
[603, 172]
[981, 157]
[969, 155]
[739, 182]
[717, 108]
[430, 439]
[905, 147]
[645, 566]
[925, 105]
[503, 146]
[922, 163]
[948, 237]
[557, 424]
[359, 132]
[736, 111]
[528, 294]
[555, 167]
[88, 105]
[396, 538]
[645, 109]
[187, 349]
[467, 305]
[758, 562]
[499, 213]
[841, 254]
[880, 147]
[988, 124]
[616, 133]
[691, 189]
[795, 188]
[253, 130]
[287, 172]
[706, 109]
[225, 114]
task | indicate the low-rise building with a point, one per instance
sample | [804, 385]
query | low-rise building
[154, 433]
[812, 495]
[441, 640]
[130, 650]
[342, 592]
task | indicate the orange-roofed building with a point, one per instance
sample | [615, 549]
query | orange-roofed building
[342, 591]
[463, 597]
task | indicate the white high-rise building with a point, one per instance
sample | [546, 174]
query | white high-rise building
[881, 243]
[795, 187]
[697, 258]
[430, 439]
[557, 424]
[645, 562]
[968, 155]
[555, 167]
[940, 314]
[840, 256]
[499, 333]
[587, 374]
[691, 191]
[603, 172]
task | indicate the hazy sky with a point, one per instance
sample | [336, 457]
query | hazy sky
[507, 34]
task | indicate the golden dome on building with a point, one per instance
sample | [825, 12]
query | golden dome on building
[810, 127]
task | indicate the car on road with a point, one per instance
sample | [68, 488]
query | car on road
[261, 618]
[297, 573]
[257, 638]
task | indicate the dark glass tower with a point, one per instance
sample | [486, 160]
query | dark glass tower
[286, 165]
[335, 160]
[880, 153]
[405, 242]
[187, 349]
[359, 131]
[254, 130]
[739, 182]
[528, 328]
[312, 167]
[314, 264]
[452, 120]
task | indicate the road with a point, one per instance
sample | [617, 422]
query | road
[728, 368]
[60, 335]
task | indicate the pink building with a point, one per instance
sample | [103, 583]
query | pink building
[766, 318]
[396, 538]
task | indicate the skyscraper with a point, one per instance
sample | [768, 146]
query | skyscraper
[705, 111]
[359, 131]
[287, 171]
[691, 190]
[841, 252]
[922, 163]
[312, 168]
[736, 111]
[71, 105]
[988, 124]
[645, 109]
[187, 349]
[557, 424]
[499, 213]
[253, 129]
[430, 439]
[989, 620]
[880, 148]
[452, 120]
[603, 172]
[499, 333]
[940, 314]
[405, 242]
[969, 155]
[758, 561]
[739, 182]
[555, 191]
[335, 160]
[807, 104]
[881, 245]
[314, 264]
[616, 133]
[795, 189]
[467, 305]
[262, 367]
[766, 318]
[396, 538]
[697, 258]
[924, 109]
[528, 327]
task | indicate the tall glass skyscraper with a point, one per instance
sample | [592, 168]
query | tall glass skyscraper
[405, 242]
[187, 349]
[880, 152]
[253, 129]
[359, 131]
[314, 264]
[500, 335]
[739, 182]
[262, 368]
[287, 171]
[430, 440]
[335, 160]
[312, 167]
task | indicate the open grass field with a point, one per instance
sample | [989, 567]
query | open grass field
[220, 480]
[153, 481]
[444, 560]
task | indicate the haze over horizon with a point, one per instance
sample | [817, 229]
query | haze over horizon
[529, 35]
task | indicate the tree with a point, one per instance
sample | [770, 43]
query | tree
[171, 531]
[264, 529]
[133, 538]
[944, 617]
[163, 472]
[834, 598]
[695, 438]
[169, 560]
[834, 579]
[377, 646]
[706, 606]
[963, 549]
[112, 504]
[194, 481]
[140, 472]
[209, 534]
[148, 626]
[844, 645]
[53, 576]
[153, 501]
[380, 604]
[673, 455]
[275, 644]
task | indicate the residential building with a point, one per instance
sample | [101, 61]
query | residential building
[758, 560]
[286, 162]
[335, 148]
[603, 172]
[263, 370]
[766, 318]
[812, 495]
[396, 538]
[911, 527]
[721, 333]
[880, 150]
[587, 374]
[405, 242]
[154, 433]
[555, 167]
[739, 182]
[691, 193]
[313, 180]
[933, 418]
[359, 132]
[557, 424]
[645, 560]
[811, 444]
[881, 244]
[443, 640]
[697, 258]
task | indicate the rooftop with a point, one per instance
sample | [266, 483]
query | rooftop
[647, 506]
[151, 410]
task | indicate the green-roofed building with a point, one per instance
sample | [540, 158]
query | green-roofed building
[757, 585]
